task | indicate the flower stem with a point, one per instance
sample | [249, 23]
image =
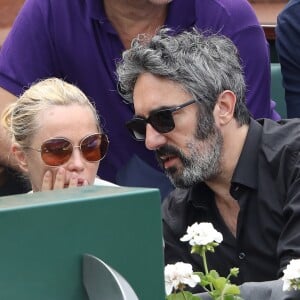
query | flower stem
[224, 291]
[203, 254]
[184, 295]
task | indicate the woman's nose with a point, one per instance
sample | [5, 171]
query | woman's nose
[76, 161]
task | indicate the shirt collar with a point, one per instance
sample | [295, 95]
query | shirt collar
[96, 12]
[178, 21]
[181, 15]
[246, 170]
[95, 9]
[200, 196]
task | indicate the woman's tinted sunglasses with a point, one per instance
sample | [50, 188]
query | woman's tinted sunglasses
[57, 151]
[161, 120]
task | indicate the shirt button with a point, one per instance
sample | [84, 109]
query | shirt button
[242, 255]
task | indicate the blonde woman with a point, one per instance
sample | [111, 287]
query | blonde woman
[56, 134]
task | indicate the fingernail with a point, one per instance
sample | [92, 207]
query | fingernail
[74, 175]
[48, 173]
[61, 170]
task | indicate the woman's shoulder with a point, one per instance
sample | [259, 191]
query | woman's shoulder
[102, 182]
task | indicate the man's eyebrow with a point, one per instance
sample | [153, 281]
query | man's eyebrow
[155, 110]
[163, 107]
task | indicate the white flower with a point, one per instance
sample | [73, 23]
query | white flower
[202, 234]
[291, 276]
[177, 274]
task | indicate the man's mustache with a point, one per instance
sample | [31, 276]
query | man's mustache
[168, 150]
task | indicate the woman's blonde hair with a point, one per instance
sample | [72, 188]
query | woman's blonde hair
[20, 118]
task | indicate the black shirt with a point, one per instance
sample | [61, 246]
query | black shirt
[14, 183]
[266, 184]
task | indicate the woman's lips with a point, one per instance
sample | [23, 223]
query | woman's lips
[80, 182]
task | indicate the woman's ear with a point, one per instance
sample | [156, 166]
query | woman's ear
[225, 106]
[20, 157]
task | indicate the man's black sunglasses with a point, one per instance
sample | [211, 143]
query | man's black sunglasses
[161, 120]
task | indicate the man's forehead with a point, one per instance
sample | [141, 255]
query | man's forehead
[152, 92]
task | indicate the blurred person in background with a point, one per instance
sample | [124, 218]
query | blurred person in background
[80, 41]
[287, 46]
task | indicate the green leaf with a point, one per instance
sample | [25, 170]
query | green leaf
[197, 249]
[177, 296]
[219, 283]
[232, 289]
[213, 274]
[200, 274]
[183, 296]
[210, 248]
[204, 281]
[216, 295]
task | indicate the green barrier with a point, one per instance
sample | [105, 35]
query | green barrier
[44, 236]
[277, 90]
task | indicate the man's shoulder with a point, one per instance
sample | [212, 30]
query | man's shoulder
[288, 127]
[227, 6]
[291, 8]
[174, 210]
[47, 12]
[233, 16]
[175, 200]
[281, 134]
[53, 5]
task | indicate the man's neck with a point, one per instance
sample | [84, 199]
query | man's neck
[133, 17]
[227, 206]
[234, 140]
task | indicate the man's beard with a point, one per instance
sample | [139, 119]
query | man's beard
[203, 161]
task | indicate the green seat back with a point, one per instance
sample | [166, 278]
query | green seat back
[44, 235]
[277, 90]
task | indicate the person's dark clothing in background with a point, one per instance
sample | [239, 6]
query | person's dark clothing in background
[288, 49]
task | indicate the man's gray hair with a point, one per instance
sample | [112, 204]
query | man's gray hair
[204, 65]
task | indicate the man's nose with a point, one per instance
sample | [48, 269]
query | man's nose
[154, 139]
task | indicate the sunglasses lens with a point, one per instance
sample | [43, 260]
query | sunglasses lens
[137, 128]
[162, 121]
[103, 145]
[94, 147]
[56, 152]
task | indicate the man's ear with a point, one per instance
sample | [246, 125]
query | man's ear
[20, 157]
[224, 109]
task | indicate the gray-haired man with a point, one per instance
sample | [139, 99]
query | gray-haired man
[242, 175]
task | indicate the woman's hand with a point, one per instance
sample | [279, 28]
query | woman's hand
[59, 180]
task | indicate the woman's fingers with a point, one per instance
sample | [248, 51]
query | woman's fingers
[47, 181]
[59, 181]
[73, 180]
